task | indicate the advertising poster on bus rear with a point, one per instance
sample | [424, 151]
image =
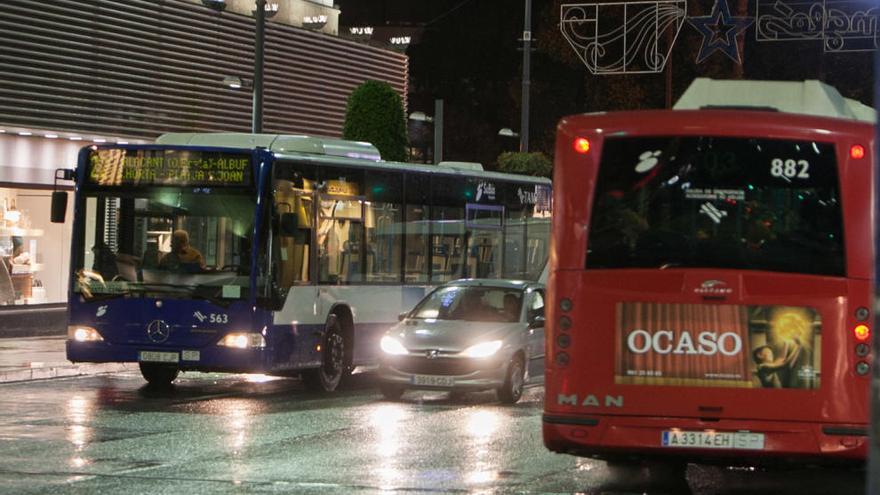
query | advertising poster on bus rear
[718, 345]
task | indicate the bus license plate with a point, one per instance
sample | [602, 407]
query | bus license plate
[158, 357]
[433, 381]
[713, 439]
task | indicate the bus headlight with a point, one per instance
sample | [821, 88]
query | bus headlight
[392, 346]
[243, 340]
[483, 349]
[82, 333]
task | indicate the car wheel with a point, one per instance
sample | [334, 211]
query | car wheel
[512, 390]
[327, 377]
[391, 392]
[159, 375]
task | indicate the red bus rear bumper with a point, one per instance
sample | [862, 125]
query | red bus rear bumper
[616, 437]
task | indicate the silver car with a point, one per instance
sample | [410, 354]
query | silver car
[467, 335]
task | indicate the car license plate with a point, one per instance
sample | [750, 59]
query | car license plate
[158, 357]
[713, 439]
[433, 381]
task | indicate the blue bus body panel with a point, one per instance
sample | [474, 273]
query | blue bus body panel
[194, 325]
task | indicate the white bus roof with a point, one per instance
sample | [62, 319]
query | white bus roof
[804, 97]
[332, 151]
[280, 143]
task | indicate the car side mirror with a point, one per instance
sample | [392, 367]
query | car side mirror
[402, 316]
[288, 224]
[59, 206]
[537, 322]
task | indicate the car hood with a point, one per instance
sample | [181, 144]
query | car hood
[450, 335]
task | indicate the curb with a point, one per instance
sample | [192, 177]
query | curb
[49, 372]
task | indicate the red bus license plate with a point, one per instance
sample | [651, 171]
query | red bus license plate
[713, 439]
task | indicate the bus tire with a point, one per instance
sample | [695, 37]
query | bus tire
[391, 392]
[514, 381]
[330, 374]
[159, 375]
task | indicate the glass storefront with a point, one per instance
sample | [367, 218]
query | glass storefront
[34, 251]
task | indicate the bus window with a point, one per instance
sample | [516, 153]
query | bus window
[514, 243]
[293, 251]
[705, 203]
[537, 234]
[418, 242]
[341, 253]
[447, 229]
[383, 215]
[484, 233]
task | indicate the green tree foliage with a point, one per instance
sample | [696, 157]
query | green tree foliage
[525, 163]
[375, 114]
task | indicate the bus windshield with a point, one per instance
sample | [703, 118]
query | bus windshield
[737, 203]
[177, 242]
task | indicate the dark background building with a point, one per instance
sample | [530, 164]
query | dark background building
[77, 72]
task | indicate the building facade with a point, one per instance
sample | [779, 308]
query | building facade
[77, 72]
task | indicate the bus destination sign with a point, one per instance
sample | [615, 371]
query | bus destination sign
[117, 167]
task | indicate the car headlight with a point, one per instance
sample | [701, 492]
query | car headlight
[82, 333]
[243, 340]
[483, 349]
[390, 345]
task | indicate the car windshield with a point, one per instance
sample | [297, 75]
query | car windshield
[471, 303]
[168, 242]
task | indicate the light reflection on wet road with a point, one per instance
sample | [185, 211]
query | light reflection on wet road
[233, 434]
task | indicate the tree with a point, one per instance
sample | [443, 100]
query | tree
[375, 114]
[525, 163]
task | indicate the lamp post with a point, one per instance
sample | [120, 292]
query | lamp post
[437, 119]
[526, 83]
[259, 40]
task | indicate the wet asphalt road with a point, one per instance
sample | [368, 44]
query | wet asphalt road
[238, 434]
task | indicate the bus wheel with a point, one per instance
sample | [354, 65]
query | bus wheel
[512, 390]
[391, 392]
[327, 377]
[159, 375]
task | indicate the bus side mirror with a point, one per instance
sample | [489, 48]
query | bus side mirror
[288, 224]
[59, 206]
[537, 322]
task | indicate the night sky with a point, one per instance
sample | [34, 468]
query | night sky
[468, 54]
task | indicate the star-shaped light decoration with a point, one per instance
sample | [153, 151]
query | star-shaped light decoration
[719, 31]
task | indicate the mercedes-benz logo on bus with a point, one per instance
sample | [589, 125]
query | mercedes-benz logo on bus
[158, 331]
[432, 354]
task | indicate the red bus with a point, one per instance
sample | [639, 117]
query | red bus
[710, 288]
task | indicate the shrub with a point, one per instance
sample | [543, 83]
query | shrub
[525, 163]
[375, 114]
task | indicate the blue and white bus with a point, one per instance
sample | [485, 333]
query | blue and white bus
[301, 251]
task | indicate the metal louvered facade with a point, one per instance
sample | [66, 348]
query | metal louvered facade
[141, 68]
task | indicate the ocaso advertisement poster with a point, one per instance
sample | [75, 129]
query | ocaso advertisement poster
[718, 345]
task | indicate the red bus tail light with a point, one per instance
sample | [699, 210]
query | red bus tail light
[857, 152]
[862, 333]
[582, 145]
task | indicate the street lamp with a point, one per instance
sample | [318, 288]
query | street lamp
[236, 82]
[437, 119]
[420, 117]
[508, 132]
[259, 42]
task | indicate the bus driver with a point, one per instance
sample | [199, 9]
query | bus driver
[182, 257]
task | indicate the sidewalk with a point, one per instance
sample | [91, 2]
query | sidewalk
[39, 358]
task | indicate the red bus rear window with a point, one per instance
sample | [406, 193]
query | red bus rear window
[711, 202]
